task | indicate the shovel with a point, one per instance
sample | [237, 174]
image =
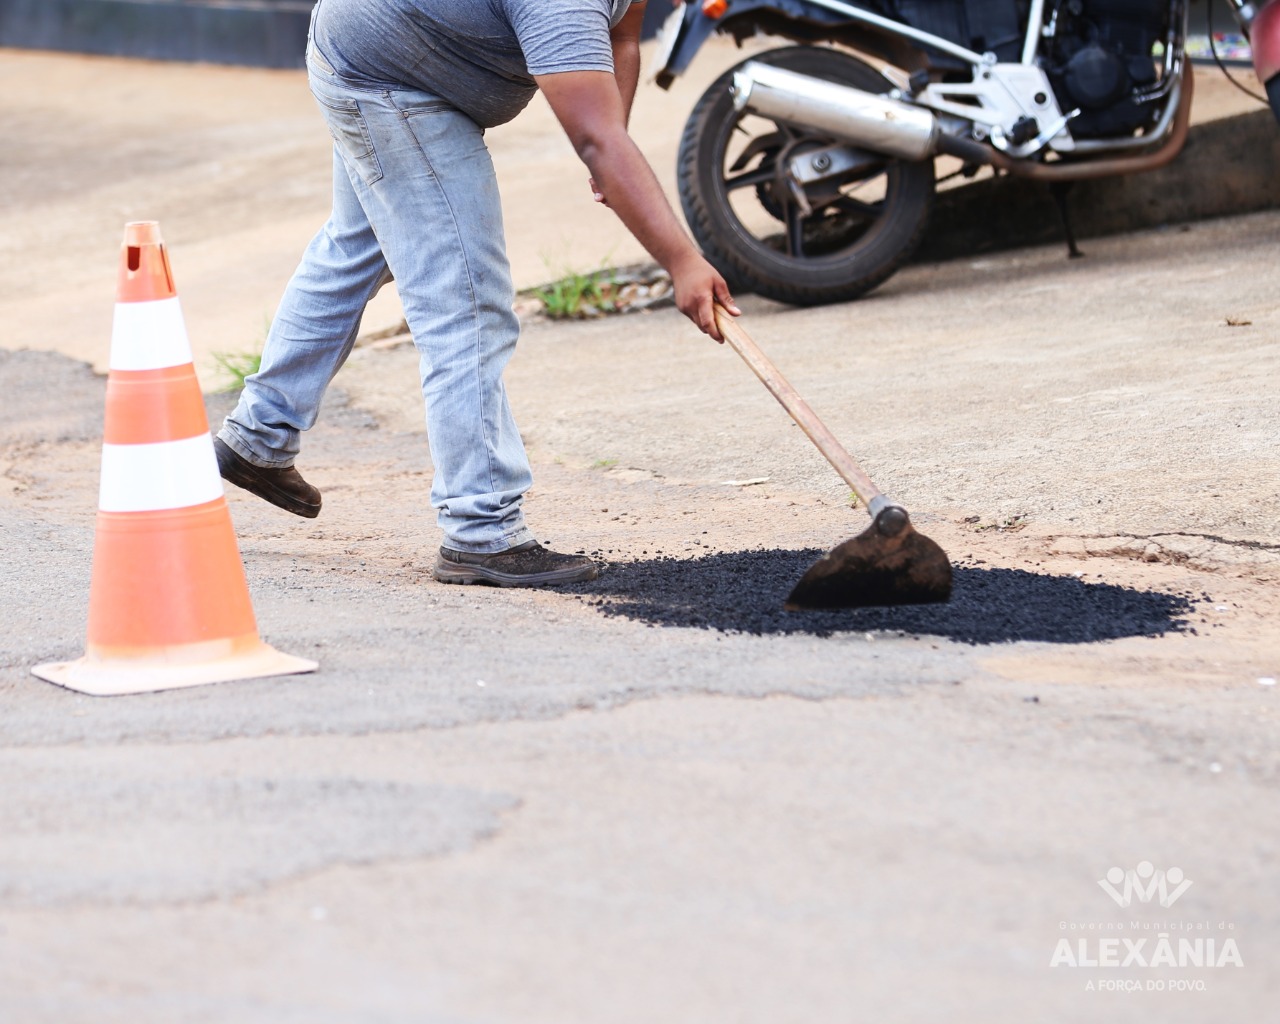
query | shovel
[888, 563]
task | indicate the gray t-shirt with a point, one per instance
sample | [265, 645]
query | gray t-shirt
[480, 55]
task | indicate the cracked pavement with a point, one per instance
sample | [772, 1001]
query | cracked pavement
[505, 806]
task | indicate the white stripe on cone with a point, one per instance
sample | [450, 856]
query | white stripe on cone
[165, 475]
[149, 336]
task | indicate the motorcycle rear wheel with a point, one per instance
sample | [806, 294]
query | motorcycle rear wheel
[751, 228]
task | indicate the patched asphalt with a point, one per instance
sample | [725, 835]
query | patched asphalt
[743, 592]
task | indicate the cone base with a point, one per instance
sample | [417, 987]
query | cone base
[171, 668]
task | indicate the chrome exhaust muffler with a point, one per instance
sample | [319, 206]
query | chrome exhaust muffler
[864, 119]
[884, 125]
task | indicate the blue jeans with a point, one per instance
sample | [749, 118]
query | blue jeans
[415, 199]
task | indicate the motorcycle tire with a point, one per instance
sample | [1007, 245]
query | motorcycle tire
[756, 234]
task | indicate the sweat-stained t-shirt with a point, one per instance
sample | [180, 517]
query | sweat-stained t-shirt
[480, 55]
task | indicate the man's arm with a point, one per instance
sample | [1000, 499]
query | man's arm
[626, 55]
[625, 40]
[590, 108]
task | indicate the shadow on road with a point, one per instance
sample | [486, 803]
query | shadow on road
[743, 591]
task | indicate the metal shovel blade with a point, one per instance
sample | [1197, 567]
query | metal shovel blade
[887, 564]
[876, 568]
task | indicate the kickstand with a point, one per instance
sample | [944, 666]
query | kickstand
[1059, 190]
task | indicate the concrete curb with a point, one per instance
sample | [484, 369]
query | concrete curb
[252, 33]
[257, 33]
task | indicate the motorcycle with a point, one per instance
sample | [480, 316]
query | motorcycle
[807, 173]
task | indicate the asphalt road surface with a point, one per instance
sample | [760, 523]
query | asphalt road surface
[655, 797]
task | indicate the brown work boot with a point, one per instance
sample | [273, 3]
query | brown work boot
[526, 565]
[282, 487]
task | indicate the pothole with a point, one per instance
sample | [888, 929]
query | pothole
[744, 592]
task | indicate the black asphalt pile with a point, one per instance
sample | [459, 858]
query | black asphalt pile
[743, 592]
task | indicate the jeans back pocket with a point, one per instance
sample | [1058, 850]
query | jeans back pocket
[350, 132]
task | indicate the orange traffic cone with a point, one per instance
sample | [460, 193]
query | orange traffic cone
[168, 600]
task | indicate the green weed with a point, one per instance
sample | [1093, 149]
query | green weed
[577, 295]
[235, 367]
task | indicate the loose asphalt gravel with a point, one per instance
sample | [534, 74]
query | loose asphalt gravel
[743, 592]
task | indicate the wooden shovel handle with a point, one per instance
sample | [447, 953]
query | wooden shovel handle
[797, 407]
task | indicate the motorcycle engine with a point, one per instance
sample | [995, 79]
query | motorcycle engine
[1100, 55]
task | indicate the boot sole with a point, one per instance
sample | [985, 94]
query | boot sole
[233, 472]
[453, 572]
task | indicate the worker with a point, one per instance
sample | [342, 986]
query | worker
[407, 89]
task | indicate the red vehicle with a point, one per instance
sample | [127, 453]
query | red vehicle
[1262, 26]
